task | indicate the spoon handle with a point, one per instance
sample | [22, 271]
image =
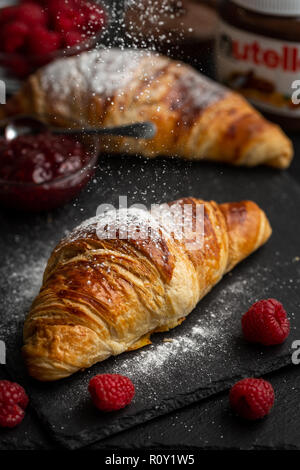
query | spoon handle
[139, 130]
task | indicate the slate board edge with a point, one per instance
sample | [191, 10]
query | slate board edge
[85, 439]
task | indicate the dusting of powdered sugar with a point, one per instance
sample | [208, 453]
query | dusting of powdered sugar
[23, 284]
[100, 72]
[22, 267]
[156, 358]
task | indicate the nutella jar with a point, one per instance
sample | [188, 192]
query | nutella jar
[258, 55]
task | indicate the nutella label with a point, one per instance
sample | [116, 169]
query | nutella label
[264, 70]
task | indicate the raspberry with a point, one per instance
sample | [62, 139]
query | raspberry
[14, 35]
[252, 398]
[95, 18]
[10, 415]
[63, 23]
[42, 42]
[8, 14]
[111, 392]
[12, 393]
[71, 38]
[13, 402]
[58, 7]
[79, 19]
[266, 322]
[31, 14]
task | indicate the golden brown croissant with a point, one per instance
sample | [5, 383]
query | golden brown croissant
[103, 296]
[196, 118]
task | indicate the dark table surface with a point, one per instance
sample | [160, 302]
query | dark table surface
[208, 424]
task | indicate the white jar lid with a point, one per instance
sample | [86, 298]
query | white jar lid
[272, 7]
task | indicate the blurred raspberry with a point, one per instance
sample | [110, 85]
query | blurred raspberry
[72, 38]
[42, 42]
[13, 36]
[63, 23]
[8, 14]
[31, 14]
[95, 18]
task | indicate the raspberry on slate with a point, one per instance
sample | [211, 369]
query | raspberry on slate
[252, 398]
[10, 415]
[12, 393]
[111, 392]
[266, 322]
[13, 402]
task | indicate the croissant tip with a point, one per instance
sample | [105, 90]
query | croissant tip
[282, 149]
[283, 161]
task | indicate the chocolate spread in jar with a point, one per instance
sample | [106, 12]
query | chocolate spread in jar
[258, 55]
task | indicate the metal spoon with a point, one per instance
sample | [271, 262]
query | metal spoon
[24, 125]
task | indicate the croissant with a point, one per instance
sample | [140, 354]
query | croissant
[196, 118]
[102, 296]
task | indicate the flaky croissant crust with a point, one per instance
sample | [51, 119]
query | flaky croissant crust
[196, 118]
[101, 297]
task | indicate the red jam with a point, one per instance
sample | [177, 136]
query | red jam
[41, 172]
[41, 158]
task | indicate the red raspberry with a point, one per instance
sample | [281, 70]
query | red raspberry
[94, 18]
[252, 398]
[63, 23]
[59, 7]
[31, 14]
[79, 19]
[10, 415]
[111, 392]
[71, 38]
[8, 14]
[266, 322]
[42, 42]
[13, 402]
[14, 35]
[12, 393]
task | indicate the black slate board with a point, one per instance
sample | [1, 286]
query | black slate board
[207, 353]
[211, 425]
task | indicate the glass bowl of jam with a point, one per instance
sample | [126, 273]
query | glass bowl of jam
[44, 171]
[36, 32]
